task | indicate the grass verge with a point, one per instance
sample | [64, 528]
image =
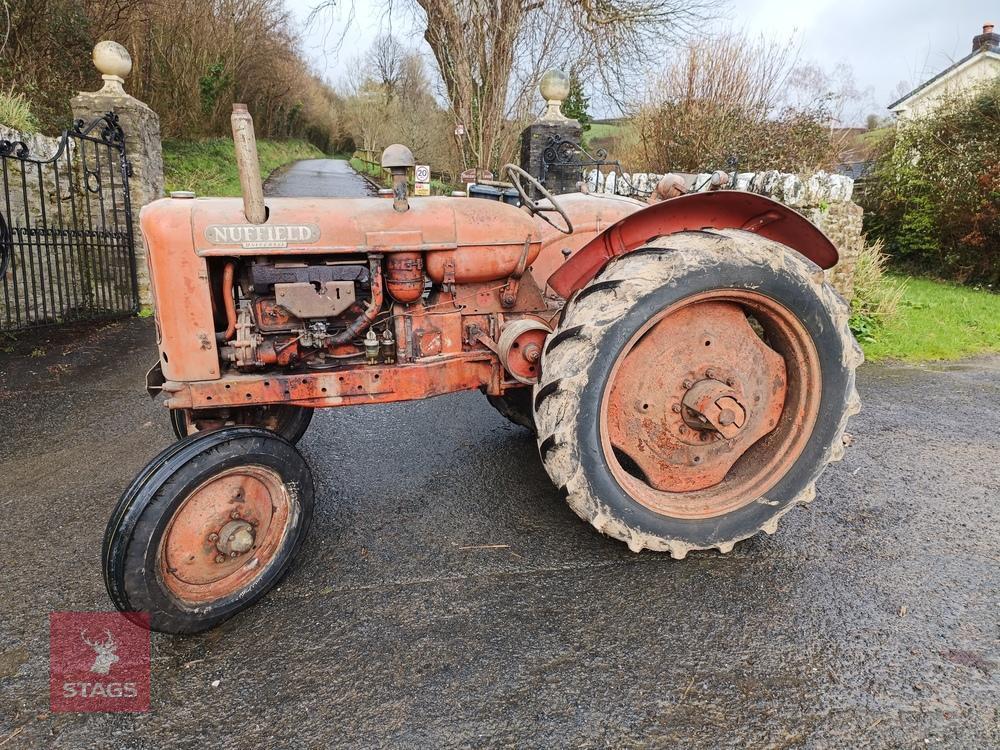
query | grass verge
[936, 320]
[208, 167]
[380, 177]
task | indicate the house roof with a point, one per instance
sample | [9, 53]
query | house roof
[948, 72]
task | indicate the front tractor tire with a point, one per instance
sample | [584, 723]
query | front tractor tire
[291, 422]
[695, 390]
[207, 528]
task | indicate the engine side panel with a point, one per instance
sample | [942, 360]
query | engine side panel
[179, 277]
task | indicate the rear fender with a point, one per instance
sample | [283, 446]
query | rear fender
[726, 209]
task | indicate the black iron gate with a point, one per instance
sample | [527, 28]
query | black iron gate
[66, 245]
[569, 162]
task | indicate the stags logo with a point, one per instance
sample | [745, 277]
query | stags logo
[98, 661]
[104, 652]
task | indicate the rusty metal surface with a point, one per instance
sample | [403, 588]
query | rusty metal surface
[304, 300]
[181, 290]
[297, 226]
[225, 534]
[404, 276]
[361, 385]
[229, 299]
[591, 215]
[700, 415]
[719, 210]
[188, 342]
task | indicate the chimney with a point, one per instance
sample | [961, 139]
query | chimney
[989, 39]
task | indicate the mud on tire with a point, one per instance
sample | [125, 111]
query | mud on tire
[578, 364]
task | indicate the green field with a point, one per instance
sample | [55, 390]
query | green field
[604, 130]
[208, 167]
[938, 320]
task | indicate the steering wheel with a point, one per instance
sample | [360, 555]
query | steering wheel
[515, 174]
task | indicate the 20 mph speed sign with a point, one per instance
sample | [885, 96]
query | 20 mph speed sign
[422, 173]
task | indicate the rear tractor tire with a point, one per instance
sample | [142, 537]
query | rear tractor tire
[207, 528]
[291, 422]
[695, 390]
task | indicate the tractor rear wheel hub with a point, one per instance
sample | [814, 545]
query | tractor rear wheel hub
[695, 392]
[712, 405]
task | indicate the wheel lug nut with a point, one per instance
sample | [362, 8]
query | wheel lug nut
[687, 383]
[710, 373]
[676, 408]
[233, 554]
[220, 558]
[213, 537]
[235, 514]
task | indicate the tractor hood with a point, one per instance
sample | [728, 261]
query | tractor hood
[351, 225]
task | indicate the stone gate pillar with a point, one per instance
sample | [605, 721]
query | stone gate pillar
[141, 126]
[537, 136]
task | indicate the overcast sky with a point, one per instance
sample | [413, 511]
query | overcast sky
[885, 41]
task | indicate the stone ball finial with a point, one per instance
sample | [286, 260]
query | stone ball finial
[554, 87]
[113, 61]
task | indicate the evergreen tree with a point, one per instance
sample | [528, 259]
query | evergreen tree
[576, 103]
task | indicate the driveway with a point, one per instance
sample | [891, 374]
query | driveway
[447, 597]
[317, 177]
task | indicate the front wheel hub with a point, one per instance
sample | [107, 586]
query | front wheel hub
[225, 533]
[236, 537]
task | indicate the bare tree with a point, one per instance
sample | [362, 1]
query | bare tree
[728, 96]
[386, 60]
[395, 103]
[489, 54]
[367, 115]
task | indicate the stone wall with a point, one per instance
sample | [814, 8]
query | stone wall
[824, 199]
[40, 147]
[142, 145]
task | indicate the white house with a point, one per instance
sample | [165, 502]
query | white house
[978, 67]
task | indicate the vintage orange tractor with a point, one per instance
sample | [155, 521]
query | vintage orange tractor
[685, 366]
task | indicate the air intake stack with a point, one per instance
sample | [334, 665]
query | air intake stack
[248, 165]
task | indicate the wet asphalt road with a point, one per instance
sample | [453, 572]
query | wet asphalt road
[448, 597]
[317, 177]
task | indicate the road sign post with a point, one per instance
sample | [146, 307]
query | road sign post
[422, 180]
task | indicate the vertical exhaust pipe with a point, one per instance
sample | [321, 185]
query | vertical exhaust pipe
[248, 165]
[397, 158]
